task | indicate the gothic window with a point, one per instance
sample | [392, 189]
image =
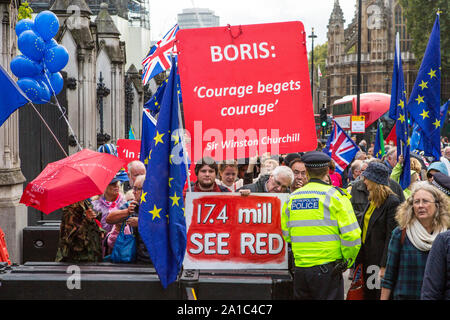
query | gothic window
[400, 27]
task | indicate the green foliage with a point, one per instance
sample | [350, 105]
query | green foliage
[25, 11]
[320, 57]
[420, 16]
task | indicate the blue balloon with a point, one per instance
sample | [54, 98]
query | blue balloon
[46, 24]
[57, 82]
[23, 25]
[31, 45]
[31, 88]
[50, 44]
[56, 58]
[44, 94]
[22, 66]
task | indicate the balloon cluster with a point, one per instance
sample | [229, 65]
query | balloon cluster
[42, 57]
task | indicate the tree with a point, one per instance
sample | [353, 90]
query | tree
[320, 56]
[25, 11]
[420, 16]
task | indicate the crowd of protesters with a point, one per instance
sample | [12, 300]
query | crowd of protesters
[399, 227]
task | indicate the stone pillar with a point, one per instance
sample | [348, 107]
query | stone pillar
[76, 35]
[13, 216]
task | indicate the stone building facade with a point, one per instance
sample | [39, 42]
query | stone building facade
[381, 20]
[13, 215]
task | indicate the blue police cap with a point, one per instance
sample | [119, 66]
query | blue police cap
[316, 159]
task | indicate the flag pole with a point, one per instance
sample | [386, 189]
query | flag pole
[183, 143]
[180, 120]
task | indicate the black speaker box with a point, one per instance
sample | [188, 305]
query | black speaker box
[87, 281]
[236, 284]
[40, 242]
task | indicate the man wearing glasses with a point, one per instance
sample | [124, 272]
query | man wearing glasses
[278, 181]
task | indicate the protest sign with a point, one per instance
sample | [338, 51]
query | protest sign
[246, 90]
[128, 150]
[234, 232]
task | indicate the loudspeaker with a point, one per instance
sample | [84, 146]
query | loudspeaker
[236, 284]
[83, 281]
[40, 243]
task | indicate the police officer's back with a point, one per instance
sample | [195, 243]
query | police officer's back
[319, 222]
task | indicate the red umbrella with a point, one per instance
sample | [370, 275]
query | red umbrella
[82, 175]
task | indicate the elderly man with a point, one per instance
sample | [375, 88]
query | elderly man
[278, 181]
[135, 168]
[390, 160]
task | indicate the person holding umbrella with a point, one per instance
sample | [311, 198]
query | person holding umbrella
[80, 234]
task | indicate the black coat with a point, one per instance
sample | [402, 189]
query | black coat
[360, 195]
[436, 280]
[258, 186]
[382, 222]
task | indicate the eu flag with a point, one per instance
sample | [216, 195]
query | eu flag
[424, 102]
[417, 143]
[154, 103]
[378, 149]
[12, 97]
[147, 135]
[162, 224]
[397, 112]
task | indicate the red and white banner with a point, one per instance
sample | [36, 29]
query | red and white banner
[246, 90]
[128, 150]
[234, 232]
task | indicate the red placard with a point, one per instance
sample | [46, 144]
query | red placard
[128, 150]
[229, 231]
[246, 90]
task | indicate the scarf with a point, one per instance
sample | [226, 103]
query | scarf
[419, 236]
[109, 204]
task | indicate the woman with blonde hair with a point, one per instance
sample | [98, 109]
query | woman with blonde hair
[377, 223]
[423, 216]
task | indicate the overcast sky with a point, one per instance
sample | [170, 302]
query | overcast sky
[312, 13]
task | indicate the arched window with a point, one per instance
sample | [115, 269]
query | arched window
[400, 27]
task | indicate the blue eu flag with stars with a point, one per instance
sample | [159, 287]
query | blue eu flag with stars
[12, 98]
[147, 135]
[397, 112]
[424, 102]
[162, 224]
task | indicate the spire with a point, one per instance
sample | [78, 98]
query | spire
[62, 6]
[336, 15]
[105, 24]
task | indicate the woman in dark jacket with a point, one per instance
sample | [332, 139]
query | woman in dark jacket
[377, 224]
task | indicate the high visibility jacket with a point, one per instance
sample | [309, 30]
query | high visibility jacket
[318, 220]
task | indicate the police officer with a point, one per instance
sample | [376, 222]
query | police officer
[319, 222]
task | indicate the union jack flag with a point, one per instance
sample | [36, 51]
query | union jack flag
[159, 57]
[340, 148]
